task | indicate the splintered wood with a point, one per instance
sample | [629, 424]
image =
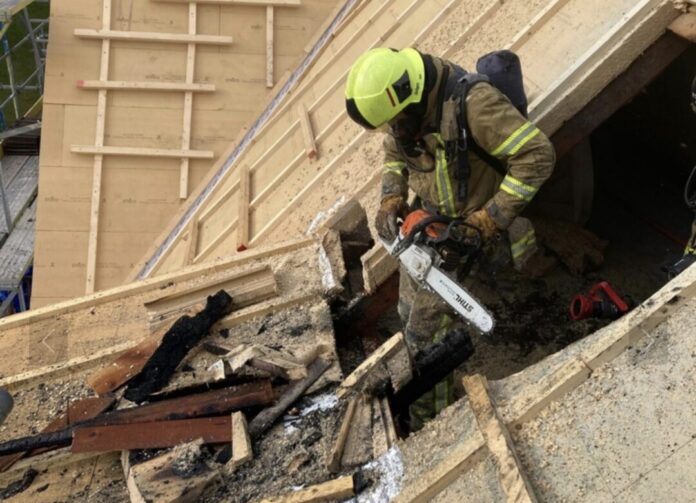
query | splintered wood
[179, 476]
[374, 364]
[241, 442]
[334, 490]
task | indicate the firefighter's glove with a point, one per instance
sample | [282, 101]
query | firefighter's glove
[393, 207]
[483, 222]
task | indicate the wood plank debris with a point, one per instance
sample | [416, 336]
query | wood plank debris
[124, 367]
[513, 480]
[267, 417]
[213, 402]
[383, 430]
[78, 411]
[152, 435]
[334, 490]
[276, 363]
[242, 451]
[177, 342]
[358, 444]
[334, 462]
[179, 476]
[356, 380]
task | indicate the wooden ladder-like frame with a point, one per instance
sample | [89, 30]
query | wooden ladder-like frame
[188, 87]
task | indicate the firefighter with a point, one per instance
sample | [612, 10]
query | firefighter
[417, 100]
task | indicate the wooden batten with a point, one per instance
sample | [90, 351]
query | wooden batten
[512, 478]
[270, 45]
[243, 228]
[335, 490]
[307, 131]
[120, 85]
[172, 38]
[142, 152]
[98, 159]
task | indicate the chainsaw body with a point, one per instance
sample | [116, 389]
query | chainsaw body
[427, 246]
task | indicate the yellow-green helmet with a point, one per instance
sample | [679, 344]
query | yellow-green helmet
[381, 83]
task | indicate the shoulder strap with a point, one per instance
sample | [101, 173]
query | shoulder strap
[465, 84]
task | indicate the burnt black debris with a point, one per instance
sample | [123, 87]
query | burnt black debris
[19, 486]
[432, 365]
[186, 333]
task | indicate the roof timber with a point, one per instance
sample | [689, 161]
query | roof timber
[289, 187]
[147, 100]
[82, 333]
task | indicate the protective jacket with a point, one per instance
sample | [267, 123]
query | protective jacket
[498, 128]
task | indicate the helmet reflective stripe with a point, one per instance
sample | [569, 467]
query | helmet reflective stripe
[383, 82]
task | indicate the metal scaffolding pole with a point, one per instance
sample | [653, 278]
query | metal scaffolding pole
[5, 202]
[10, 72]
[35, 46]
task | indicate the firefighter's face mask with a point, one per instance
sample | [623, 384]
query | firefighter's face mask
[405, 127]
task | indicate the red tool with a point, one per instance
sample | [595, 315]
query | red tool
[601, 301]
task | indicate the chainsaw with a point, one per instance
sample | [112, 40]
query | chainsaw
[429, 246]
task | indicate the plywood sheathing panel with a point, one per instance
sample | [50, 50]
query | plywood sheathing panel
[627, 433]
[574, 382]
[145, 119]
[582, 53]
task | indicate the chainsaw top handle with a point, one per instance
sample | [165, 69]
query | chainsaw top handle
[450, 232]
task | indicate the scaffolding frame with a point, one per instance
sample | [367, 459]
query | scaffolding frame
[13, 11]
[16, 11]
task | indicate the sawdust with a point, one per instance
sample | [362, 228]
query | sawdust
[595, 425]
[284, 457]
[36, 406]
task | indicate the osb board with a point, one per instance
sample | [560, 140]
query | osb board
[567, 422]
[81, 328]
[139, 195]
[574, 49]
